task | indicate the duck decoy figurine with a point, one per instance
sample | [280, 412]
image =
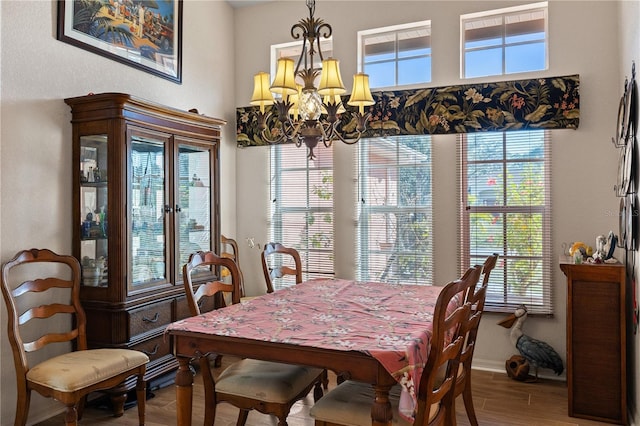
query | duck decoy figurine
[539, 354]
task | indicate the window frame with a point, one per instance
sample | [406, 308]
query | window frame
[277, 228]
[502, 14]
[426, 24]
[508, 303]
[366, 210]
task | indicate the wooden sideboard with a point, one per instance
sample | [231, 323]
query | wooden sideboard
[596, 341]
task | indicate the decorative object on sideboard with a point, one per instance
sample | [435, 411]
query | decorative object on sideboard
[580, 252]
[605, 247]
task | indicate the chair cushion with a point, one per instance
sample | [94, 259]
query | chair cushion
[77, 370]
[264, 380]
[350, 404]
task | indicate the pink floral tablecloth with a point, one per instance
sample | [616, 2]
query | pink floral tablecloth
[392, 323]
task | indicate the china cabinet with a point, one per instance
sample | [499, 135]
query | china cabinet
[145, 196]
[596, 341]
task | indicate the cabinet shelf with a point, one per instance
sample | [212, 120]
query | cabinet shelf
[101, 184]
[103, 238]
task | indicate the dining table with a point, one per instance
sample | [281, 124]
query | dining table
[373, 332]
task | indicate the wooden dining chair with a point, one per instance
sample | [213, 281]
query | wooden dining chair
[248, 384]
[229, 248]
[36, 308]
[350, 402]
[279, 261]
[475, 297]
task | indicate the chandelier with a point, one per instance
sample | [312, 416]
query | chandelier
[306, 113]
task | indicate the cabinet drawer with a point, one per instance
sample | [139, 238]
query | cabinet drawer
[206, 304]
[150, 318]
[155, 348]
[182, 308]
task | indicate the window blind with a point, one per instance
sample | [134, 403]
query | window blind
[302, 208]
[505, 208]
[395, 238]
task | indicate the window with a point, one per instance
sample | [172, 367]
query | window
[302, 193]
[396, 56]
[506, 209]
[302, 207]
[395, 238]
[504, 41]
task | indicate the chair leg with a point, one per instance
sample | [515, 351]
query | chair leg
[22, 409]
[209, 412]
[141, 395]
[80, 407]
[209, 392]
[450, 411]
[325, 379]
[317, 391]
[71, 416]
[118, 400]
[468, 404]
[217, 362]
[242, 417]
[282, 421]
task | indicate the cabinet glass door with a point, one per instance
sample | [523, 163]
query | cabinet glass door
[148, 212]
[193, 202]
[93, 210]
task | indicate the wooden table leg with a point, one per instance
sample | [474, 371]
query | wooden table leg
[184, 392]
[381, 412]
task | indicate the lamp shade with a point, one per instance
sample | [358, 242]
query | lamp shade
[285, 80]
[261, 94]
[361, 94]
[330, 79]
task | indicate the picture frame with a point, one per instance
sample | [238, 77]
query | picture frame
[144, 34]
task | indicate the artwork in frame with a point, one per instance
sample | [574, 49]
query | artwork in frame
[145, 34]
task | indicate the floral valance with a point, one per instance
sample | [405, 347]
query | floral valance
[541, 103]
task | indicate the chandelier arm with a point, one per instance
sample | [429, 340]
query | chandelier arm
[288, 133]
[298, 30]
[348, 141]
[327, 30]
[361, 126]
[265, 137]
[296, 128]
[328, 133]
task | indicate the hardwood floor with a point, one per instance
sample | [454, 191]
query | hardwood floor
[498, 400]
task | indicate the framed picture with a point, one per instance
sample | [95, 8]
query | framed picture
[145, 34]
